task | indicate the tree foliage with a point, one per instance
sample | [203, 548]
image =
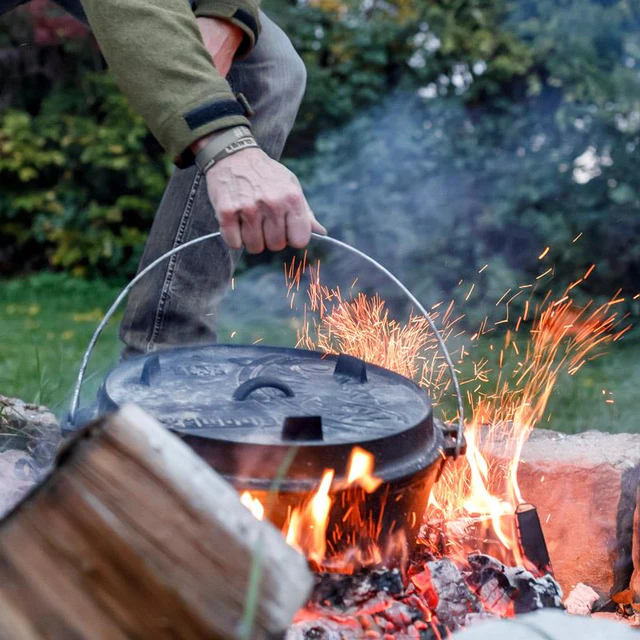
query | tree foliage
[440, 136]
[516, 126]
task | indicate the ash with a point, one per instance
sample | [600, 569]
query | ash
[435, 598]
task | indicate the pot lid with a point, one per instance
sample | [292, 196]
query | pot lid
[247, 405]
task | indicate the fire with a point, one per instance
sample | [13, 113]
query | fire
[307, 527]
[310, 529]
[481, 488]
[475, 501]
[360, 470]
[253, 504]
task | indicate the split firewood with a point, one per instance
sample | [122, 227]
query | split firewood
[132, 535]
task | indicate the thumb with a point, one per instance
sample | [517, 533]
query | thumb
[316, 227]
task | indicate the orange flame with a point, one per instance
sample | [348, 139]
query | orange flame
[483, 485]
[307, 527]
[253, 504]
[360, 470]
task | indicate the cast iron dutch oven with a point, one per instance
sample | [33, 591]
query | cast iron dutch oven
[243, 408]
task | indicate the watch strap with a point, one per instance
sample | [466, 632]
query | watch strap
[218, 143]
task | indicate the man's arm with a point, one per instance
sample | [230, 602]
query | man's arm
[156, 53]
[156, 49]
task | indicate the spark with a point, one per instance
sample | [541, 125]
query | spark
[547, 272]
[506, 293]
[622, 332]
[544, 253]
[506, 403]
[483, 268]
[589, 272]
[577, 237]
[470, 291]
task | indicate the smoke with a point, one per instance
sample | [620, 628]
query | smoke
[453, 198]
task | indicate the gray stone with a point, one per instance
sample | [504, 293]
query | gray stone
[584, 488]
[548, 625]
[581, 600]
[29, 437]
[24, 425]
[13, 484]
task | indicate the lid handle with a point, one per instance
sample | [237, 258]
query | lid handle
[261, 382]
[150, 371]
[351, 368]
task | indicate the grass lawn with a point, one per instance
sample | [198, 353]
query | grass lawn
[46, 322]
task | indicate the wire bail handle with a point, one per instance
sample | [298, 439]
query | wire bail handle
[75, 400]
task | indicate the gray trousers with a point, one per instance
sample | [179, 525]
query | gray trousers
[175, 304]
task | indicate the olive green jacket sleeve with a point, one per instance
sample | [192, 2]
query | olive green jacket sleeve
[155, 51]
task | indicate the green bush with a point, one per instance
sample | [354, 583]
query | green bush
[80, 182]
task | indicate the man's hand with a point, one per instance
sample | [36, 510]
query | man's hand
[259, 203]
[221, 39]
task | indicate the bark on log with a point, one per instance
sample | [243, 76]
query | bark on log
[134, 536]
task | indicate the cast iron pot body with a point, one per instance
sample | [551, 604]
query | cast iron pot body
[242, 408]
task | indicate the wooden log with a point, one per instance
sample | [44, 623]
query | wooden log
[134, 536]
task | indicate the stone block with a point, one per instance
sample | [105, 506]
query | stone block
[547, 625]
[29, 437]
[584, 487]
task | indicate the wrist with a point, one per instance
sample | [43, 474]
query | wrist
[199, 144]
[216, 147]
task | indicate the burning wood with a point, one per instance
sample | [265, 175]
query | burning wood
[438, 598]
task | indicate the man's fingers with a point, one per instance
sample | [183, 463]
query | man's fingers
[275, 233]
[316, 227]
[251, 229]
[230, 229]
[298, 230]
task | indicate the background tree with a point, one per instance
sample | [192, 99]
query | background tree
[438, 136]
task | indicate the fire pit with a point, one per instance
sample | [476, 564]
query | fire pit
[346, 458]
[243, 408]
